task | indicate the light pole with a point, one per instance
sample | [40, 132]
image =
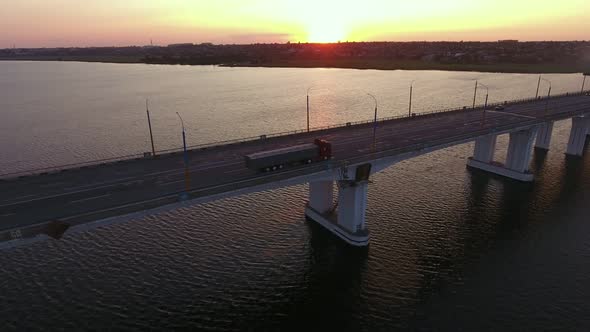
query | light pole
[374, 123]
[538, 84]
[548, 95]
[150, 126]
[583, 82]
[474, 94]
[186, 173]
[485, 104]
[410, 107]
[308, 109]
[487, 93]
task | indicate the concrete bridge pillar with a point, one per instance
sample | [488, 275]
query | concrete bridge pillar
[348, 220]
[485, 148]
[580, 129]
[520, 150]
[352, 205]
[517, 160]
[321, 196]
[544, 134]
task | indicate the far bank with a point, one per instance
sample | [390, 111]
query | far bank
[375, 64]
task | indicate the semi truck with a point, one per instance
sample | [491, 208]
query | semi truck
[272, 160]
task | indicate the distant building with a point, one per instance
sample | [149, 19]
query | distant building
[508, 41]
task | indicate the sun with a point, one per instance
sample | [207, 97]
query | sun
[326, 33]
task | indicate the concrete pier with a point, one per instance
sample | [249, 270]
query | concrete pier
[485, 148]
[520, 150]
[352, 205]
[321, 196]
[580, 129]
[517, 160]
[348, 222]
[544, 133]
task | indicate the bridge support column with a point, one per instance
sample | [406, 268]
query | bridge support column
[520, 151]
[485, 148]
[518, 158]
[321, 196]
[577, 140]
[544, 136]
[352, 205]
[348, 223]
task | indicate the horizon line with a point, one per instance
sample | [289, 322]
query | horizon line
[312, 43]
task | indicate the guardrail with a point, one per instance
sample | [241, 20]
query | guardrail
[98, 162]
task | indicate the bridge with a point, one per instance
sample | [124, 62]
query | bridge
[45, 203]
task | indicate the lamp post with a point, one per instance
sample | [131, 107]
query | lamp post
[548, 95]
[186, 173]
[485, 104]
[308, 109]
[474, 94]
[583, 82]
[150, 126]
[374, 123]
[487, 93]
[410, 106]
[538, 84]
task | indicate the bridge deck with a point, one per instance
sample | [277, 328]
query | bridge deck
[92, 193]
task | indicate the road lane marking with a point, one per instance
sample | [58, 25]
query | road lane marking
[513, 114]
[54, 196]
[234, 171]
[89, 198]
[100, 184]
[8, 202]
[7, 215]
[20, 197]
[169, 183]
[52, 184]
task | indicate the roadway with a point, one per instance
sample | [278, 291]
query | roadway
[87, 194]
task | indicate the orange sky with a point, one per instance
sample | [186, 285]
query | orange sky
[48, 23]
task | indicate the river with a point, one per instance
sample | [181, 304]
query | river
[450, 249]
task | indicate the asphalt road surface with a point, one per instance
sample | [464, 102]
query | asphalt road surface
[75, 196]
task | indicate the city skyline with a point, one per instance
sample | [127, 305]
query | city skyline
[66, 23]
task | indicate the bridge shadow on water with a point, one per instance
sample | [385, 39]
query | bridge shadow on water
[507, 222]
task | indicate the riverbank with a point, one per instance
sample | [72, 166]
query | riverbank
[375, 64]
[541, 68]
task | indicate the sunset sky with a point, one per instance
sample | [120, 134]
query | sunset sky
[49, 23]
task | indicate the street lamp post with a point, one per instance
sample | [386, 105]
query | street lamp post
[150, 126]
[186, 172]
[538, 84]
[548, 95]
[487, 94]
[474, 94]
[583, 82]
[308, 109]
[410, 106]
[374, 123]
[485, 104]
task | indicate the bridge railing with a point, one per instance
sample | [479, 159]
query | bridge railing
[137, 156]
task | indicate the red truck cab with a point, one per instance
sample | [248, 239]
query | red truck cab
[325, 149]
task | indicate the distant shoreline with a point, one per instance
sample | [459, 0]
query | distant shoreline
[361, 64]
